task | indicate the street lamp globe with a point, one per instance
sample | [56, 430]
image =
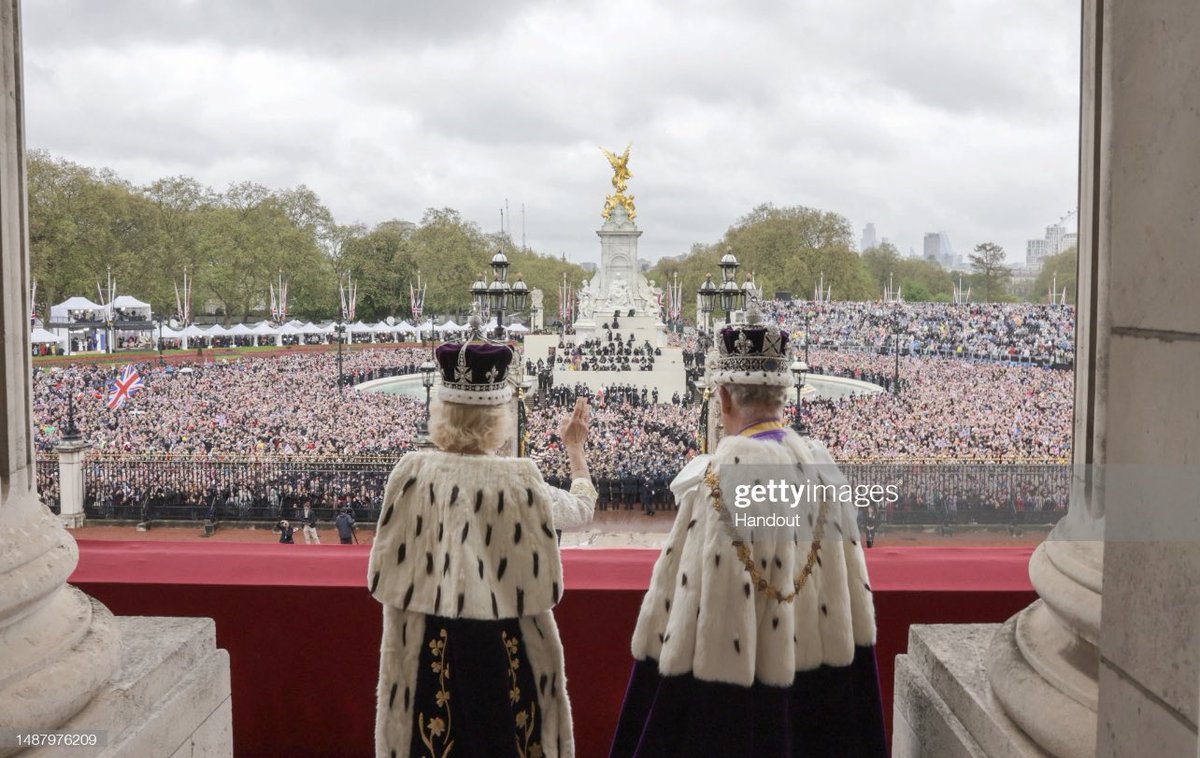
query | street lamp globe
[500, 266]
[497, 294]
[731, 298]
[520, 293]
[729, 266]
[427, 369]
[479, 291]
[707, 293]
[799, 368]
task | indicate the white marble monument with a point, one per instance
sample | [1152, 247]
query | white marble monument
[618, 285]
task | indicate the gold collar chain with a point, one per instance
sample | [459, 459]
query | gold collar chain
[743, 550]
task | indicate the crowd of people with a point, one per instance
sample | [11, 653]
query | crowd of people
[284, 405]
[225, 426]
[984, 331]
[944, 410]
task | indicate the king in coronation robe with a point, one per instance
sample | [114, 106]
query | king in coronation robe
[756, 641]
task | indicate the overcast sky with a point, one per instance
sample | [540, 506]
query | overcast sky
[918, 116]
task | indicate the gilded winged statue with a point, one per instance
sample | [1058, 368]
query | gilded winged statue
[621, 174]
[620, 165]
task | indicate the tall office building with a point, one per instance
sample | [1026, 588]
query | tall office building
[1056, 240]
[868, 237]
[938, 249]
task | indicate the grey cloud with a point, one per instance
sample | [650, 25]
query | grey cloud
[916, 117]
[320, 27]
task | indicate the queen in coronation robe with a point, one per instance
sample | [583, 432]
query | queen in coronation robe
[756, 640]
[466, 564]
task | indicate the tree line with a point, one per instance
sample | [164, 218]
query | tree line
[85, 222]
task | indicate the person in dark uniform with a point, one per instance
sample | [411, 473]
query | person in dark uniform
[345, 526]
[286, 532]
[629, 489]
[646, 494]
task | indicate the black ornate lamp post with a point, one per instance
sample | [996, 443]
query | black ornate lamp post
[708, 295]
[427, 369]
[498, 296]
[799, 369]
[807, 315]
[70, 432]
[896, 350]
[498, 290]
[340, 330]
[731, 293]
[479, 294]
[519, 295]
[159, 321]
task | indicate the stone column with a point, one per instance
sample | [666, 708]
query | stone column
[1107, 662]
[71, 456]
[142, 686]
[1148, 105]
[58, 647]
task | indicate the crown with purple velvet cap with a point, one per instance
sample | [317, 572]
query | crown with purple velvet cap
[474, 372]
[752, 353]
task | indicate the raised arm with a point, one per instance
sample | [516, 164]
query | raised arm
[574, 507]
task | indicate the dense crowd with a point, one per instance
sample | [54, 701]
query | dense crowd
[248, 406]
[258, 411]
[945, 410]
[993, 331]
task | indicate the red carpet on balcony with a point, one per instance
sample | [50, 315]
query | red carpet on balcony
[303, 633]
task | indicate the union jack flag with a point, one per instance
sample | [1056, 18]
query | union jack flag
[126, 385]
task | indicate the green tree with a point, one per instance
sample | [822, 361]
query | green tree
[786, 249]
[991, 275]
[923, 280]
[1058, 271]
[882, 261]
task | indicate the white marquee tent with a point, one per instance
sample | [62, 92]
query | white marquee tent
[42, 337]
[62, 311]
[131, 306]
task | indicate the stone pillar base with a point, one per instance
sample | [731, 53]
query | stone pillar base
[170, 696]
[72, 520]
[943, 704]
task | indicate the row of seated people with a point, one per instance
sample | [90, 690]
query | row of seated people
[594, 355]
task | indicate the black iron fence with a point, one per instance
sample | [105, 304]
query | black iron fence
[48, 481]
[232, 488]
[268, 488]
[947, 494]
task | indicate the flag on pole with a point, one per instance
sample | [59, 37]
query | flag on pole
[125, 386]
